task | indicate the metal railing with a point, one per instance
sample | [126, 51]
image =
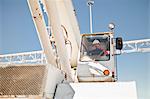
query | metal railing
[35, 57]
[136, 46]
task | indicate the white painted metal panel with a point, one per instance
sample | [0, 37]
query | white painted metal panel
[57, 32]
[106, 90]
[66, 24]
[74, 22]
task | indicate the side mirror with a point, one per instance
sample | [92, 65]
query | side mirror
[119, 43]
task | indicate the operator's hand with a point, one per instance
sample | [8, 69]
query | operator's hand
[107, 52]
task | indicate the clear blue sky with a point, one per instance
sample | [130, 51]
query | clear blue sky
[132, 19]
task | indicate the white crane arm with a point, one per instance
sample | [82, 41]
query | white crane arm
[40, 25]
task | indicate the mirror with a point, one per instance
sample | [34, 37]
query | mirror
[119, 43]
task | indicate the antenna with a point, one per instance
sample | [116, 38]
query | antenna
[90, 4]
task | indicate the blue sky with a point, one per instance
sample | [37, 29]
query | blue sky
[132, 19]
[149, 36]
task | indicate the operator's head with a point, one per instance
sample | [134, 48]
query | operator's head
[96, 42]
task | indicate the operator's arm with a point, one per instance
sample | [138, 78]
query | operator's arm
[96, 51]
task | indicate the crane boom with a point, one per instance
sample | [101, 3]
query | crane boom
[40, 25]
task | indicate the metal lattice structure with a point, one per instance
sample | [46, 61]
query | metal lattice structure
[35, 57]
[136, 46]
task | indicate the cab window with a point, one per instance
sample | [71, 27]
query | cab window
[95, 47]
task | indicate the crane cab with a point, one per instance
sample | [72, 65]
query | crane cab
[96, 61]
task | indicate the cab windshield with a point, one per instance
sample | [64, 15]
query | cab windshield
[95, 47]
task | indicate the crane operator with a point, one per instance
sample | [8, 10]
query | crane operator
[97, 50]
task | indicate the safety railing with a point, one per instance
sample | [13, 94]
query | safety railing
[35, 57]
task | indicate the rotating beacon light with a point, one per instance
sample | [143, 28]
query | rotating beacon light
[111, 26]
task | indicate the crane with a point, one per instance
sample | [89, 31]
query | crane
[66, 66]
